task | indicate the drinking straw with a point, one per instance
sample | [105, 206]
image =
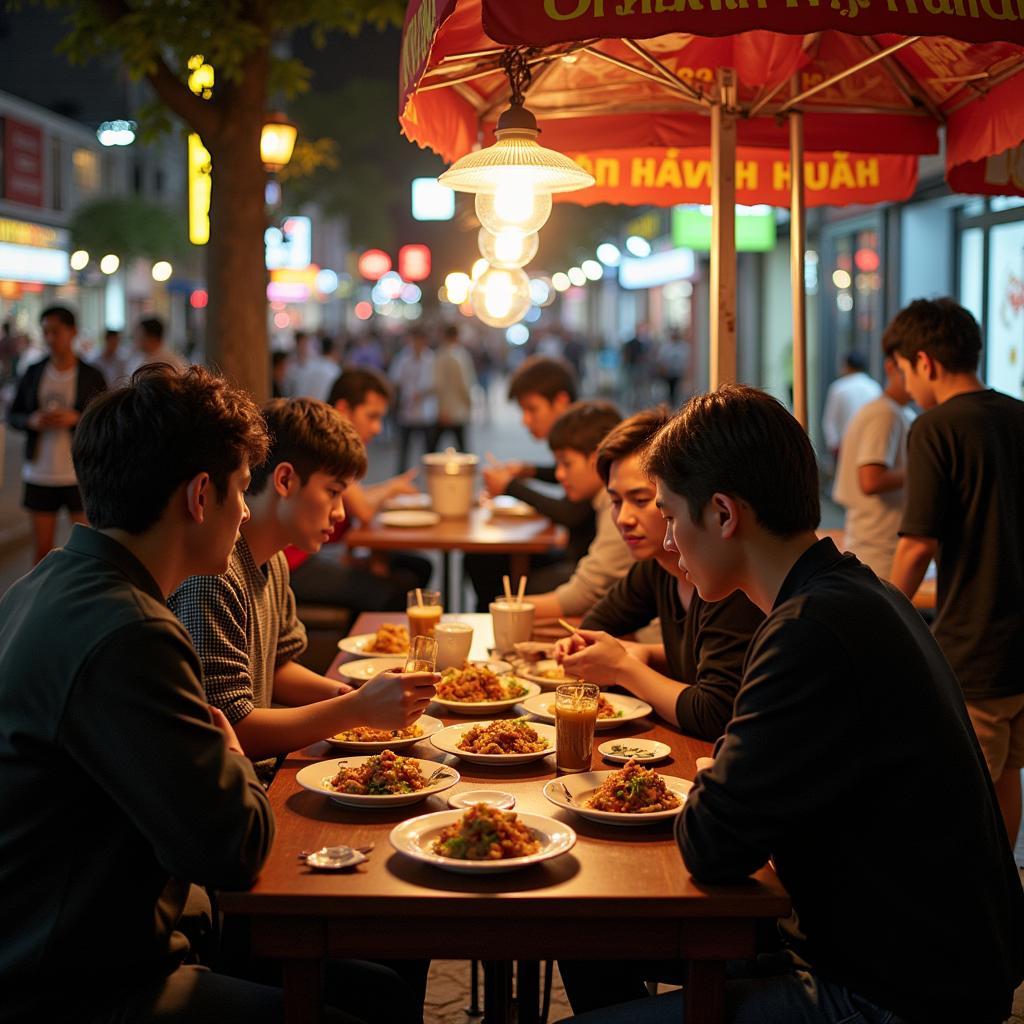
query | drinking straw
[522, 590]
[419, 597]
[508, 588]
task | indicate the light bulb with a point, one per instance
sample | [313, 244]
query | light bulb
[509, 248]
[513, 205]
[500, 297]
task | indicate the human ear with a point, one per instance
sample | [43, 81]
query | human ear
[197, 492]
[723, 510]
[284, 479]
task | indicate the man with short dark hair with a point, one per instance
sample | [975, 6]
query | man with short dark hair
[964, 508]
[120, 784]
[849, 741]
[853, 388]
[110, 362]
[51, 397]
[151, 348]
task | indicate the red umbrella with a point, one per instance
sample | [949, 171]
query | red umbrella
[849, 76]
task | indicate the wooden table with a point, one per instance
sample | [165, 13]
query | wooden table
[517, 538]
[621, 893]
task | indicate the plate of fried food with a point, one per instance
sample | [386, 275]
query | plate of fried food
[613, 709]
[482, 839]
[363, 739]
[377, 780]
[633, 795]
[390, 638]
[476, 689]
[548, 673]
[501, 742]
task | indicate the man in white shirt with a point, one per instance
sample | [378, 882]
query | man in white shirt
[412, 373]
[846, 394]
[151, 348]
[871, 470]
[310, 373]
[110, 362]
[455, 378]
[51, 396]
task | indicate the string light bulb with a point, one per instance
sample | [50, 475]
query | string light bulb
[500, 297]
[508, 248]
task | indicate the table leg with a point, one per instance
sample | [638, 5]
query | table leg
[704, 992]
[527, 992]
[497, 991]
[302, 991]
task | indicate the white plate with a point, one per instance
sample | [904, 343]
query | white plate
[631, 708]
[645, 751]
[360, 644]
[425, 722]
[448, 741]
[498, 797]
[367, 668]
[415, 837]
[487, 707]
[315, 777]
[408, 517]
[407, 501]
[532, 672]
[582, 788]
[507, 506]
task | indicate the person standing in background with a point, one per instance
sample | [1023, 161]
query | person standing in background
[455, 379]
[110, 362]
[412, 373]
[846, 394]
[51, 397]
[151, 348]
[871, 470]
[311, 372]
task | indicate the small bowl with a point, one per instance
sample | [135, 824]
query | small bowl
[495, 797]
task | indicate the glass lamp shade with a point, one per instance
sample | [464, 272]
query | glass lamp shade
[509, 248]
[277, 141]
[514, 206]
[518, 153]
[500, 297]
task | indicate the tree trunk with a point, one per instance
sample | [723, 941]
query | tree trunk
[236, 316]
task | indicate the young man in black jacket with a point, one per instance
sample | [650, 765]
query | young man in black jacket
[51, 397]
[850, 761]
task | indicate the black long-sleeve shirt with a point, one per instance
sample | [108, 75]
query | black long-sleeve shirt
[117, 790]
[576, 516]
[851, 762]
[704, 647]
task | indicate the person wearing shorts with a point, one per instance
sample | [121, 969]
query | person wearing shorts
[51, 397]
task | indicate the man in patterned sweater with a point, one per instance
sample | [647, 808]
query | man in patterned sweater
[243, 622]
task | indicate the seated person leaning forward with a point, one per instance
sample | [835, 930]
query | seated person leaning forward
[121, 786]
[574, 439]
[691, 677]
[849, 761]
[243, 622]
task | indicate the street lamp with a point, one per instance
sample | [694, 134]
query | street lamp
[277, 141]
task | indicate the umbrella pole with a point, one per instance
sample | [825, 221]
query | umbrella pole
[797, 247]
[723, 231]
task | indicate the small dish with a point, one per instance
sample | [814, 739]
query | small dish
[448, 741]
[362, 644]
[428, 724]
[505, 506]
[408, 501]
[333, 858]
[542, 672]
[495, 797]
[628, 709]
[408, 517]
[315, 778]
[415, 838]
[367, 668]
[634, 748]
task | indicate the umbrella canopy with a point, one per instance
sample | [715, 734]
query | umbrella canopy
[838, 79]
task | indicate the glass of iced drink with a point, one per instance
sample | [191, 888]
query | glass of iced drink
[512, 622]
[422, 656]
[575, 719]
[423, 607]
[454, 640]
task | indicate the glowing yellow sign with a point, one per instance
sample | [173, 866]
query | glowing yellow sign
[199, 185]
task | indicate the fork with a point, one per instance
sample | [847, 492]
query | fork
[565, 790]
[440, 773]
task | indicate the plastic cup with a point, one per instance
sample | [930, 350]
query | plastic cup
[575, 720]
[512, 622]
[422, 656]
[423, 618]
[454, 640]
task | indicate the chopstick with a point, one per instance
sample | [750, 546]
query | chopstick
[565, 625]
[507, 583]
[522, 590]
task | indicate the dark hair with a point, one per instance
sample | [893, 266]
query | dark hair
[544, 376]
[61, 313]
[135, 445]
[326, 344]
[355, 384]
[111, 332]
[313, 437]
[277, 357]
[152, 327]
[742, 442]
[629, 437]
[941, 328]
[855, 361]
[583, 426]
[451, 331]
